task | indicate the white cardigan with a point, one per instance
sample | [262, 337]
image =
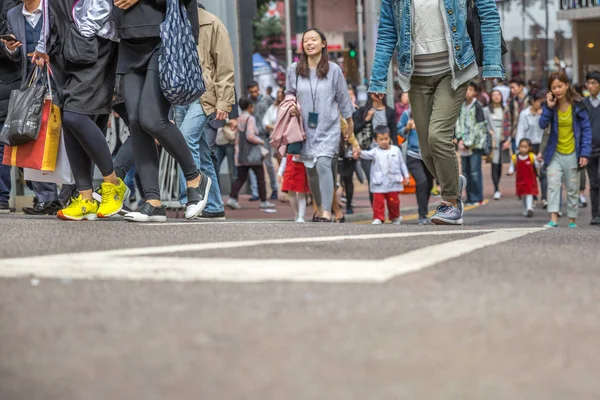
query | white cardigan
[388, 169]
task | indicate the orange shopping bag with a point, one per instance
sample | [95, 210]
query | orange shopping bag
[411, 188]
[41, 153]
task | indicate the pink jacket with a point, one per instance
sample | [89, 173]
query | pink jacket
[288, 129]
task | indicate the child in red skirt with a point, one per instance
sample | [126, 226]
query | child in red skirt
[295, 184]
[526, 167]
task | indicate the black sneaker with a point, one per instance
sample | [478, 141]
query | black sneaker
[595, 221]
[211, 216]
[125, 210]
[274, 196]
[4, 208]
[43, 208]
[148, 213]
[197, 197]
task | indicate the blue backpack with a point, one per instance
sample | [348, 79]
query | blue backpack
[179, 65]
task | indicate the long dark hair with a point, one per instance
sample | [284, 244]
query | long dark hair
[572, 95]
[369, 104]
[323, 67]
[491, 105]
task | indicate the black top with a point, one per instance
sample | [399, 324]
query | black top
[144, 18]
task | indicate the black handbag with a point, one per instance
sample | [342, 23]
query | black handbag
[25, 109]
[474, 31]
[249, 154]
[78, 49]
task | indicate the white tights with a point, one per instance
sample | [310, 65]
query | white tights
[298, 202]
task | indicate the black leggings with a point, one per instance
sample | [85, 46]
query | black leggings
[424, 181]
[347, 173]
[242, 172]
[85, 143]
[496, 175]
[148, 112]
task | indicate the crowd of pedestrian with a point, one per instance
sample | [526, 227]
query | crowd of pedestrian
[309, 137]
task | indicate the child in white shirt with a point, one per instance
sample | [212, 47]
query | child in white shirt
[388, 176]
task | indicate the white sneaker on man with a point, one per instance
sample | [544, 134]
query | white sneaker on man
[266, 204]
[397, 221]
[377, 222]
[497, 195]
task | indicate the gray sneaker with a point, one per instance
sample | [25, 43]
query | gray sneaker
[446, 214]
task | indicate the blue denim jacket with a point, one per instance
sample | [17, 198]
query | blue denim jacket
[581, 128]
[412, 139]
[395, 26]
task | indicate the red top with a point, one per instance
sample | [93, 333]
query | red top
[526, 177]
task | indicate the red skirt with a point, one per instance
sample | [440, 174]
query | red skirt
[294, 177]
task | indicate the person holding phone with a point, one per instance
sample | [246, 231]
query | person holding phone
[569, 145]
[10, 79]
[25, 22]
[436, 61]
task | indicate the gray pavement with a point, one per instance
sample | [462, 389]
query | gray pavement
[114, 310]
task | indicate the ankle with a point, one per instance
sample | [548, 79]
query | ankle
[154, 203]
[194, 182]
[86, 194]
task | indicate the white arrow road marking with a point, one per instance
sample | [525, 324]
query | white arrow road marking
[150, 263]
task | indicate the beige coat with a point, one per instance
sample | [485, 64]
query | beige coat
[216, 58]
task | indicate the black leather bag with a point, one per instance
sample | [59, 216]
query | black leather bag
[25, 109]
[80, 50]
[249, 154]
[474, 31]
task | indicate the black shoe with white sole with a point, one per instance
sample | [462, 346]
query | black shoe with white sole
[197, 197]
[211, 216]
[148, 213]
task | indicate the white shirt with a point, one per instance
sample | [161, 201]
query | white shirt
[429, 29]
[388, 169]
[595, 100]
[529, 127]
[33, 17]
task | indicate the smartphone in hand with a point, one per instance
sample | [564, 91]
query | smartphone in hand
[8, 38]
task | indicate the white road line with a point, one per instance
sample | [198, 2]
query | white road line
[160, 224]
[134, 264]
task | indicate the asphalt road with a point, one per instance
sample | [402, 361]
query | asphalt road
[497, 309]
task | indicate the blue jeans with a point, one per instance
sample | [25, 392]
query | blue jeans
[471, 169]
[192, 126]
[5, 181]
[222, 152]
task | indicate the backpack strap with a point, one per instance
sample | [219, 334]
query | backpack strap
[514, 159]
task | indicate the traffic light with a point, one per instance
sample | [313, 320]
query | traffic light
[352, 51]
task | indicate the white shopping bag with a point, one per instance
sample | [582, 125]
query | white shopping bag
[62, 173]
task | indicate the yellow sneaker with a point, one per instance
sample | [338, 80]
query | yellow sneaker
[78, 210]
[112, 199]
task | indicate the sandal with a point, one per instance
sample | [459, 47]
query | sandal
[341, 220]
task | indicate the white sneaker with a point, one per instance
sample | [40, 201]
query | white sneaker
[397, 221]
[300, 220]
[497, 196]
[511, 169]
[233, 204]
[377, 222]
[266, 204]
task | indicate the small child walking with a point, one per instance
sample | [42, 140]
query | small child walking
[388, 176]
[295, 183]
[526, 167]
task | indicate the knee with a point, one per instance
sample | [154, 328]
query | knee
[151, 123]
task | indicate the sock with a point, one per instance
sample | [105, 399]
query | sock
[301, 204]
